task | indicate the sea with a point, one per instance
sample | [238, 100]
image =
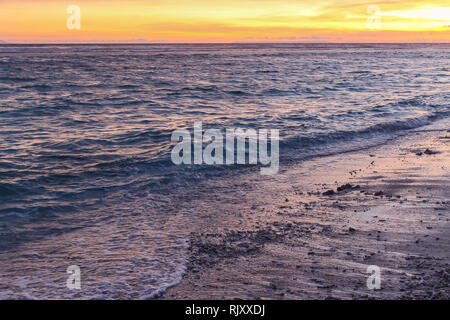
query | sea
[86, 176]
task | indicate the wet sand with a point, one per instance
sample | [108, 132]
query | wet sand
[290, 237]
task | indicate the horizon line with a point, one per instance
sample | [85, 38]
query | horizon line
[211, 43]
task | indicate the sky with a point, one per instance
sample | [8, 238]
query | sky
[224, 21]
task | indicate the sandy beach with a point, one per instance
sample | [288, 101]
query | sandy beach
[290, 237]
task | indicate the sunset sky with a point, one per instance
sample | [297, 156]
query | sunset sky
[225, 21]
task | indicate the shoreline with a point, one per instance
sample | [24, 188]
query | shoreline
[290, 237]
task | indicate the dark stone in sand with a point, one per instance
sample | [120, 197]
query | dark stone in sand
[379, 193]
[351, 229]
[344, 187]
[328, 193]
[428, 151]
